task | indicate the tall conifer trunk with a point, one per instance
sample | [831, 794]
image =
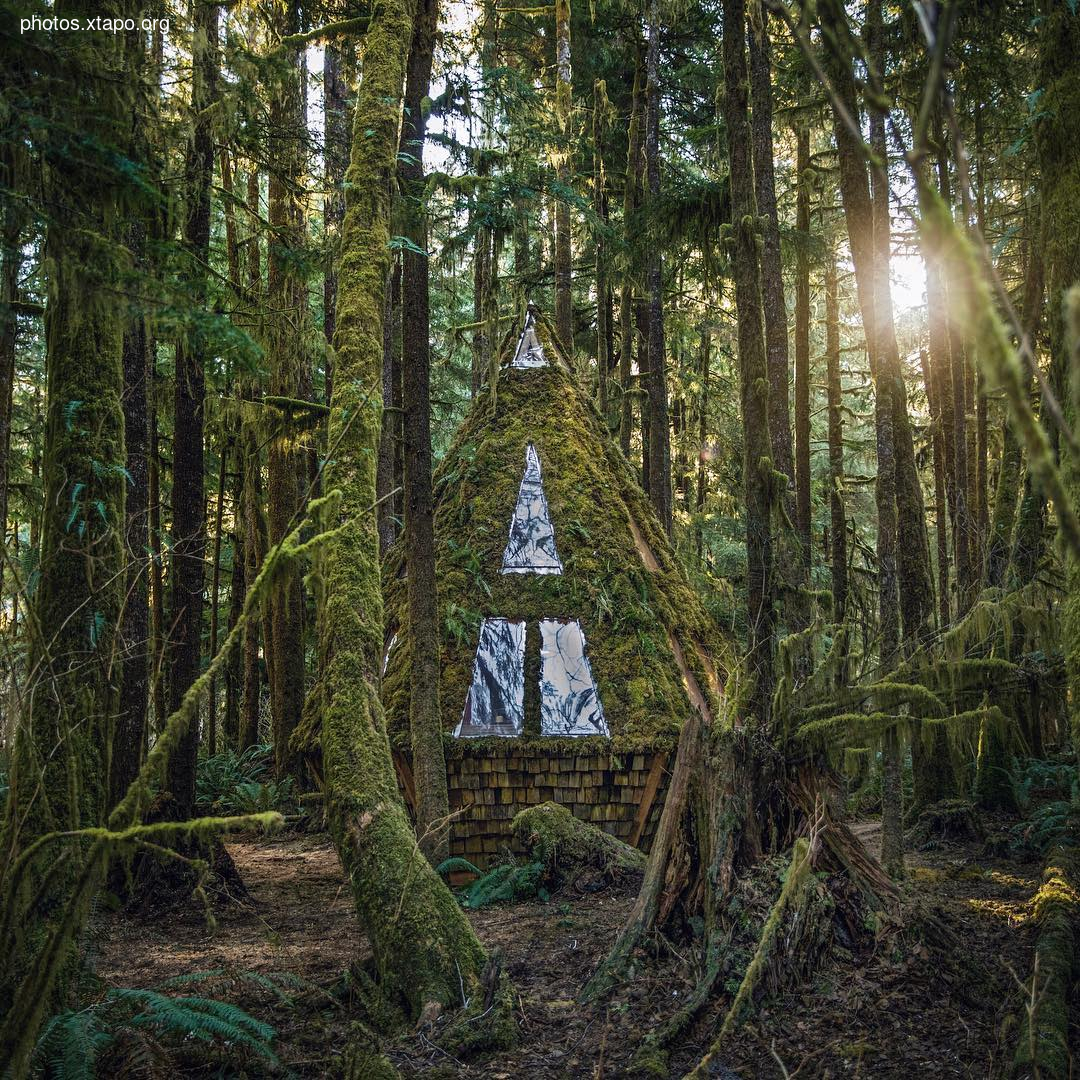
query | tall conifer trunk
[130, 736]
[772, 279]
[425, 719]
[802, 347]
[188, 510]
[564, 313]
[837, 517]
[753, 370]
[631, 201]
[659, 487]
[287, 296]
[60, 754]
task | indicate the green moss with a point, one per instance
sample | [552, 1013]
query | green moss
[628, 613]
[562, 843]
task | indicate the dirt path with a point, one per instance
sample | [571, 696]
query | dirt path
[904, 1010]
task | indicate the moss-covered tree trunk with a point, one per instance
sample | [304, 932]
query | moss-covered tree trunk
[12, 223]
[425, 718]
[192, 352]
[601, 106]
[631, 200]
[60, 756]
[287, 344]
[772, 278]
[702, 438]
[758, 472]
[337, 60]
[424, 949]
[1007, 496]
[130, 734]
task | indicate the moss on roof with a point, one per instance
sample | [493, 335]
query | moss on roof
[627, 612]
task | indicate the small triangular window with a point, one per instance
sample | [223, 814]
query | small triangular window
[529, 352]
[531, 548]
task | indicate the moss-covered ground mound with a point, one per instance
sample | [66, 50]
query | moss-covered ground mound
[642, 620]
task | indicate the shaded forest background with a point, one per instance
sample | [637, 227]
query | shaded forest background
[812, 264]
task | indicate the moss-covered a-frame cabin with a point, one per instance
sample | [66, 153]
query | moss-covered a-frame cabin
[573, 647]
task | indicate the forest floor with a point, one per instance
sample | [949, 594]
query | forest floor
[900, 1009]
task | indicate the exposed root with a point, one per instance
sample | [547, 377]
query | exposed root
[793, 897]
[196, 868]
[487, 1020]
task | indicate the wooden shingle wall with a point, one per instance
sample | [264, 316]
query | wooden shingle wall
[621, 793]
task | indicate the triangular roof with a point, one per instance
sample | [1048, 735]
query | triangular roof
[652, 648]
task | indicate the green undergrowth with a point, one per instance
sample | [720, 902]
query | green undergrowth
[232, 783]
[155, 1033]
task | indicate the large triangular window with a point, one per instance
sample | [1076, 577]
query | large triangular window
[496, 701]
[569, 702]
[531, 549]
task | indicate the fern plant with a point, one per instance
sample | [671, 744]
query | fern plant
[74, 1042]
[231, 783]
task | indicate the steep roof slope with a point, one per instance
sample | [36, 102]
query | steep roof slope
[652, 647]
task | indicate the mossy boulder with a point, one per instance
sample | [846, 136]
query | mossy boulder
[566, 846]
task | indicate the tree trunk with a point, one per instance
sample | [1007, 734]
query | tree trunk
[631, 201]
[215, 598]
[802, 347]
[336, 137]
[703, 433]
[11, 228]
[59, 757]
[287, 298]
[753, 372]
[1059, 161]
[600, 201]
[564, 312]
[188, 510]
[835, 391]
[234, 673]
[424, 949]
[958, 437]
[772, 278]
[157, 563]
[999, 541]
[254, 552]
[659, 426]
[129, 738]
[392, 417]
[425, 717]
